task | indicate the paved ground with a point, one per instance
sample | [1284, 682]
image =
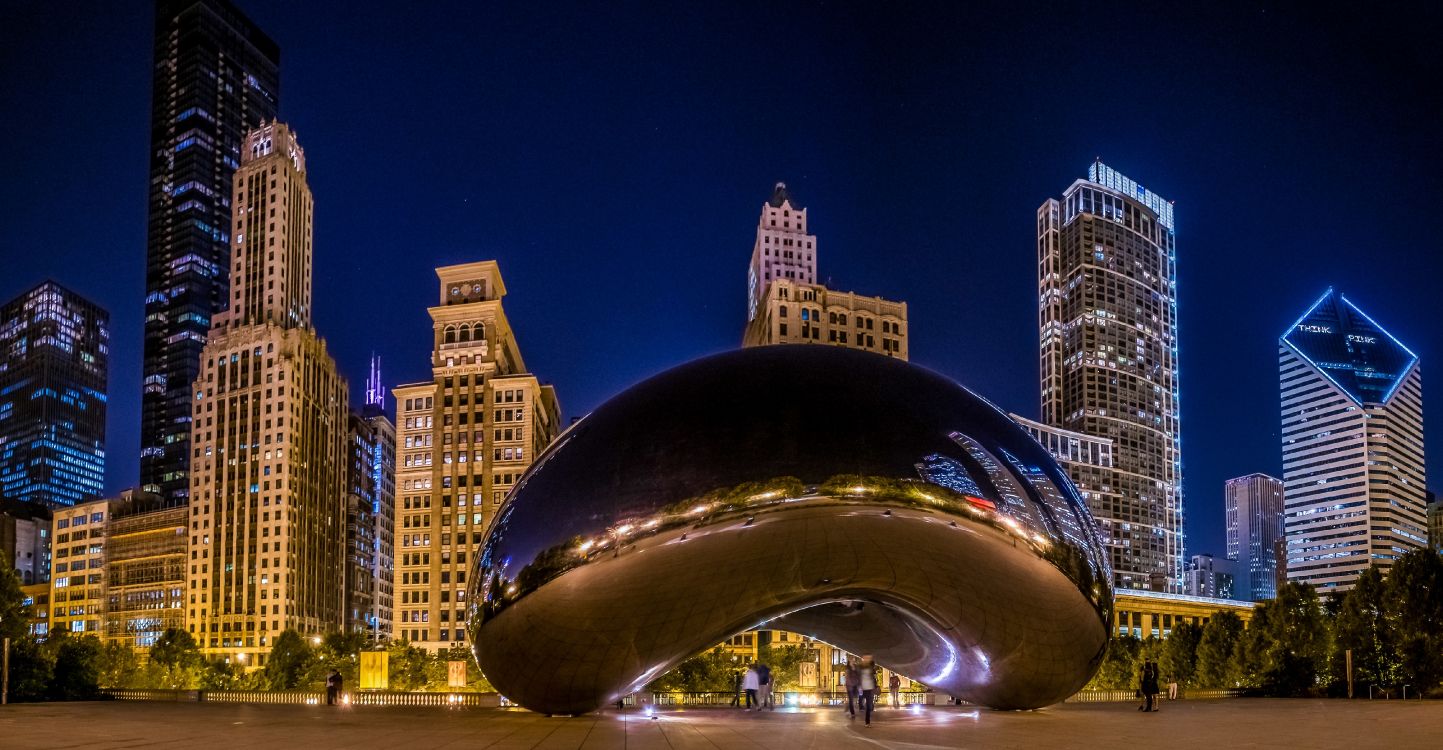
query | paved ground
[1219, 725]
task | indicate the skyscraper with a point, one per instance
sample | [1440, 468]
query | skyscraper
[1253, 506]
[466, 437]
[1210, 577]
[54, 362]
[783, 249]
[216, 77]
[267, 494]
[1353, 470]
[371, 514]
[1107, 288]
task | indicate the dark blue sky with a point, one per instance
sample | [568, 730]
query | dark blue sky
[614, 157]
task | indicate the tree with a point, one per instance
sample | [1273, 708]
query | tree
[1413, 600]
[1120, 665]
[1288, 643]
[1178, 655]
[786, 665]
[77, 668]
[1362, 626]
[338, 651]
[710, 671]
[289, 659]
[176, 660]
[14, 621]
[32, 666]
[118, 666]
[406, 666]
[1216, 651]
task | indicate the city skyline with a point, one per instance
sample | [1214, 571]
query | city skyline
[925, 238]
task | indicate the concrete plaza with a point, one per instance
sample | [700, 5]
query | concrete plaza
[1239, 723]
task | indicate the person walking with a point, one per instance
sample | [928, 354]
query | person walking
[751, 683]
[333, 687]
[894, 683]
[1148, 686]
[851, 676]
[868, 686]
[736, 688]
[764, 678]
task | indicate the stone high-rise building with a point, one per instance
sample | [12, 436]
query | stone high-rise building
[268, 441]
[54, 362]
[216, 77]
[783, 249]
[1253, 506]
[465, 438]
[785, 305]
[1107, 288]
[1354, 474]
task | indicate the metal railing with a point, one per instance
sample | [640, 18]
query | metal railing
[1122, 696]
[311, 698]
[785, 698]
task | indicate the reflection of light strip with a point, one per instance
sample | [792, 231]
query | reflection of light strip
[981, 502]
[950, 666]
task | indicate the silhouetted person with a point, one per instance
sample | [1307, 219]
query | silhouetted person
[333, 687]
[895, 683]
[764, 678]
[736, 688]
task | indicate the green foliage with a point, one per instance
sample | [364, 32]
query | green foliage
[1413, 600]
[175, 661]
[13, 621]
[288, 662]
[786, 665]
[338, 651]
[407, 666]
[1177, 658]
[1119, 665]
[1362, 626]
[1287, 647]
[32, 667]
[118, 666]
[712, 671]
[1217, 650]
[77, 668]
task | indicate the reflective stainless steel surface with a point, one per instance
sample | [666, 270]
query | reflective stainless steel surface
[868, 502]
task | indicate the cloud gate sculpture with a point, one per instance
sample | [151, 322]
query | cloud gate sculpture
[867, 502]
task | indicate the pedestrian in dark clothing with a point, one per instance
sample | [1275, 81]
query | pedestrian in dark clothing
[895, 683]
[764, 681]
[1148, 686]
[736, 688]
[333, 687]
[852, 676]
[868, 687]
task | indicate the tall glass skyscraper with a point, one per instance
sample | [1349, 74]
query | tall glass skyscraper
[216, 77]
[54, 361]
[1107, 288]
[1354, 476]
[1253, 506]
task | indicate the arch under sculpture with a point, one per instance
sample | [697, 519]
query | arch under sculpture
[849, 496]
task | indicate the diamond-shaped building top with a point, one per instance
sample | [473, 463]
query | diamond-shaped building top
[1351, 349]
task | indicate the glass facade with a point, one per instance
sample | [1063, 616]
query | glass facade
[54, 361]
[216, 76]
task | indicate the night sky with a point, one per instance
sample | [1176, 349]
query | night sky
[614, 158]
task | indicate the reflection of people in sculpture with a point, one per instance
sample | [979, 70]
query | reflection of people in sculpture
[751, 683]
[868, 685]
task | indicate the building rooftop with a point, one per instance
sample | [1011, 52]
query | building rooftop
[1351, 349]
